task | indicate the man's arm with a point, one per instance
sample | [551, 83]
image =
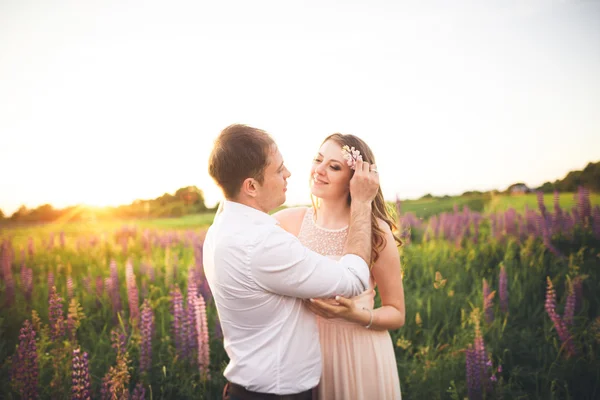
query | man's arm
[282, 265]
[363, 189]
[286, 267]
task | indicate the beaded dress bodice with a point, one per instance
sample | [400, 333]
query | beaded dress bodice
[328, 242]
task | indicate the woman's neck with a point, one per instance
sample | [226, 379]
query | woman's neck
[333, 214]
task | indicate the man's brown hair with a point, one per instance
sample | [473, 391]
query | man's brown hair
[239, 152]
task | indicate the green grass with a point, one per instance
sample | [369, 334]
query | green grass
[518, 202]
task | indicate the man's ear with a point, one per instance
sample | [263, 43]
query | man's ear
[250, 187]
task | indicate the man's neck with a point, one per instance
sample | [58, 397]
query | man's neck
[249, 202]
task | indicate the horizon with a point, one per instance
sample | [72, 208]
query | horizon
[104, 103]
[289, 203]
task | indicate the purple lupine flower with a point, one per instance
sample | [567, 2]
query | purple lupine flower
[139, 393]
[81, 383]
[132, 293]
[473, 376]
[25, 365]
[503, 289]
[541, 205]
[203, 343]
[114, 293]
[62, 239]
[147, 329]
[191, 343]
[56, 315]
[177, 310]
[488, 295]
[559, 325]
[584, 206]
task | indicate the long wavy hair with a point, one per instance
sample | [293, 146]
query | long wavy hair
[380, 210]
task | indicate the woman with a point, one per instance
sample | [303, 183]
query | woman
[357, 351]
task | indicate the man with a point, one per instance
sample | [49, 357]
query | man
[259, 274]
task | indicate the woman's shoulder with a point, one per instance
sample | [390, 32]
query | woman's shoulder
[291, 218]
[384, 226]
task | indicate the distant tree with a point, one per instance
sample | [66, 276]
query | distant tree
[427, 196]
[191, 195]
[1, 214]
[472, 193]
[20, 213]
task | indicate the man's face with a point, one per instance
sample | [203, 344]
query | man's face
[271, 193]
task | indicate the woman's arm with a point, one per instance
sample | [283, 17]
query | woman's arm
[388, 276]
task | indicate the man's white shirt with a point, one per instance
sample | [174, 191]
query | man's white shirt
[258, 274]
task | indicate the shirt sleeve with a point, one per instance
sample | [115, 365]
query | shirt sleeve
[282, 265]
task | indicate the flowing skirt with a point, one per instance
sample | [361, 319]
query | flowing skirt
[358, 363]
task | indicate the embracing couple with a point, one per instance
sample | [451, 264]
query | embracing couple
[295, 290]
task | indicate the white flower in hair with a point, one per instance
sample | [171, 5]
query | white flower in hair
[351, 155]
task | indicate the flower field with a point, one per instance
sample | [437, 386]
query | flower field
[500, 304]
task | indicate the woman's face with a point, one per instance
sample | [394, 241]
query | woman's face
[330, 175]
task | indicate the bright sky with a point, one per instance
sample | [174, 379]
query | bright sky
[105, 102]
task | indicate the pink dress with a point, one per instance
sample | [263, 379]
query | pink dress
[358, 363]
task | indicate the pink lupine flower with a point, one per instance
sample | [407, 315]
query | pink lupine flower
[25, 365]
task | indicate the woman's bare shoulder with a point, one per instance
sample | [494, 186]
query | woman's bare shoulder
[291, 218]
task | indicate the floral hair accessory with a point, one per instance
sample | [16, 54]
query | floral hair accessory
[351, 155]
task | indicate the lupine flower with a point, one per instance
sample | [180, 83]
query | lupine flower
[132, 293]
[177, 311]
[74, 317]
[25, 366]
[81, 383]
[56, 315]
[147, 328]
[203, 343]
[115, 382]
[115, 296]
[473, 376]
[191, 345]
[139, 393]
[62, 239]
[503, 289]
[559, 325]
